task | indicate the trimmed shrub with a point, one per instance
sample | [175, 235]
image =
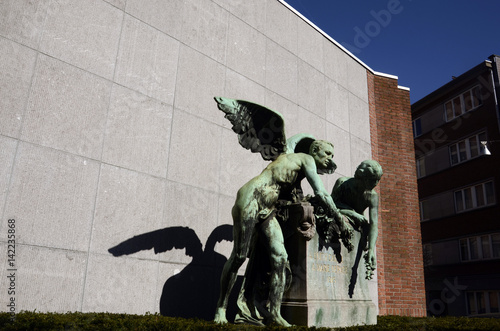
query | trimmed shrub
[107, 321]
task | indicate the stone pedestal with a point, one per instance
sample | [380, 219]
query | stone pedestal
[328, 287]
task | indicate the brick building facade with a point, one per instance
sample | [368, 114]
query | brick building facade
[401, 278]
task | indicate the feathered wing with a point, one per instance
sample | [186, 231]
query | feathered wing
[299, 143]
[259, 129]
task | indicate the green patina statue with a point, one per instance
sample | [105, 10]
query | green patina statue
[254, 212]
[353, 195]
[268, 201]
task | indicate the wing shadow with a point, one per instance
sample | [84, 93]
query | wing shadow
[193, 292]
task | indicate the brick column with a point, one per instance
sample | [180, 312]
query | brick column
[399, 246]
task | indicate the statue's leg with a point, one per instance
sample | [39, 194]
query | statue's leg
[247, 310]
[242, 235]
[278, 257]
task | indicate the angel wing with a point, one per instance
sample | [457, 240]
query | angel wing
[299, 143]
[259, 129]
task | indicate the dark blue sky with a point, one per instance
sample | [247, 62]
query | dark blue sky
[423, 42]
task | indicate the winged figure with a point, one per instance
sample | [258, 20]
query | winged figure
[259, 129]
[257, 204]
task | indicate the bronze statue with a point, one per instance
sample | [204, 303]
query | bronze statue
[254, 212]
[353, 195]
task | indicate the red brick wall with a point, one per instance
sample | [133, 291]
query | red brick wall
[399, 247]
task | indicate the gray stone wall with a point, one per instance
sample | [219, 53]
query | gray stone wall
[109, 132]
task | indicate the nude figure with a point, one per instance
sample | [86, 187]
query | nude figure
[352, 195]
[254, 211]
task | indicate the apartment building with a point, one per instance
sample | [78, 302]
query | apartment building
[457, 149]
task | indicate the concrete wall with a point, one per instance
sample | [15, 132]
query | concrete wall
[109, 132]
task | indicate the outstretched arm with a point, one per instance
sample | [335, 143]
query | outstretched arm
[373, 231]
[345, 209]
[310, 170]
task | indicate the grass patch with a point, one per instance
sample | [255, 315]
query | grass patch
[106, 321]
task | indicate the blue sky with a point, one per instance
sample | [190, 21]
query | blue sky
[423, 42]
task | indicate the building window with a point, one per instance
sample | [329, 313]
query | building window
[480, 247]
[425, 210]
[462, 103]
[420, 167]
[417, 127]
[427, 254]
[476, 196]
[467, 149]
[482, 302]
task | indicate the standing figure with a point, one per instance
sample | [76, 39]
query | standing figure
[352, 195]
[254, 210]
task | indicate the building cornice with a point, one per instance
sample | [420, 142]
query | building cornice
[345, 50]
[436, 94]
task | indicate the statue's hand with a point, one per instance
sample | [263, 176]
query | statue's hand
[358, 219]
[371, 259]
[335, 214]
[370, 263]
[327, 203]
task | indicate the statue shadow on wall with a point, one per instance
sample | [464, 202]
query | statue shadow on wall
[355, 267]
[193, 292]
[336, 246]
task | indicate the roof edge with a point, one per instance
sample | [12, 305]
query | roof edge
[429, 98]
[305, 19]
[381, 74]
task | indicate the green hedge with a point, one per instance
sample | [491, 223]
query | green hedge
[105, 321]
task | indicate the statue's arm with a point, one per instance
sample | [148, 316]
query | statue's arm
[336, 187]
[352, 214]
[309, 168]
[345, 209]
[370, 257]
[373, 217]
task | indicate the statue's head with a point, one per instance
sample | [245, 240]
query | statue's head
[322, 152]
[369, 172]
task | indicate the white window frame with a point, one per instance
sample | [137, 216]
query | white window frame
[475, 100]
[422, 217]
[420, 163]
[487, 301]
[480, 242]
[454, 149]
[474, 198]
